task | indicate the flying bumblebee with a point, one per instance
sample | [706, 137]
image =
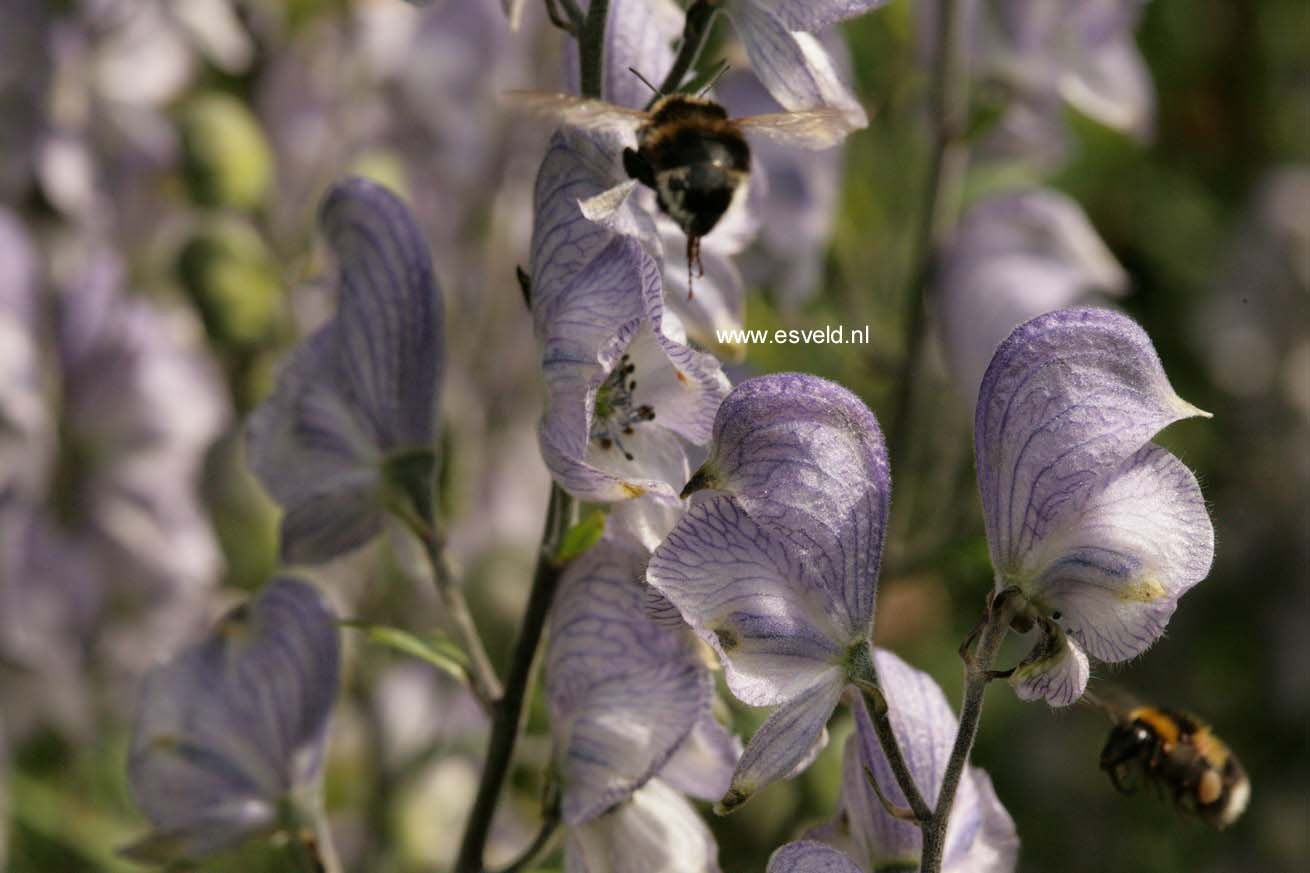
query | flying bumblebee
[689, 151]
[1178, 754]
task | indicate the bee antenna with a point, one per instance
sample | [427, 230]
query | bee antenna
[714, 80]
[645, 81]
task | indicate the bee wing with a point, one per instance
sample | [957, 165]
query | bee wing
[580, 112]
[809, 128]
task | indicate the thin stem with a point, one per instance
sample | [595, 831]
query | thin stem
[591, 48]
[326, 857]
[482, 675]
[882, 726]
[948, 104]
[508, 711]
[695, 30]
[569, 19]
[977, 674]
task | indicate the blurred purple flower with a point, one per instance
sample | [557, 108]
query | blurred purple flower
[981, 837]
[363, 389]
[1100, 530]
[236, 725]
[1015, 255]
[630, 714]
[623, 390]
[108, 410]
[776, 567]
[790, 61]
[1044, 54]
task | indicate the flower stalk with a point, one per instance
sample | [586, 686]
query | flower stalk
[948, 104]
[695, 32]
[508, 710]
[977, 673]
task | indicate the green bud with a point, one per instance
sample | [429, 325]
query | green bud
[226, 155]
[233, 281]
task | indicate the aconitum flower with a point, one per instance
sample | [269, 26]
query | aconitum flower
[787, 56]
[1051, 52]
[630, 714]
[623, 391]
[362, 390]
[107, 407]
[775, 563]
[235, 726]
[1098, 529]
[1016, 255]
[980, 838]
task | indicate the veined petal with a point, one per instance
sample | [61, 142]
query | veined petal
[805, 456]
[702, 766]
[786, 739]
[813, 15]
[752, 597]
[808, 856]
[794, 66]
[312, 450]
[1117, 569]
[235, 724]
[624, 692]
[656, 831]
[1069, 396]
[1057, 675]
[390, 319]
[981, 837]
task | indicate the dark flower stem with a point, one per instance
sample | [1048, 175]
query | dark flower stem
[508, 710]
[591, 48]
[948, 105]
[882, 726]
[977, 673]
[695, 31]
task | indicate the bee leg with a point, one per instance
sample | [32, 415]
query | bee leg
[693, 260]
[637, 167]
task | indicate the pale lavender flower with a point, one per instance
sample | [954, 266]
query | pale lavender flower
[787, 56]
[630, 714]
[1045, 53]
[808, 856]
[1100, 530]
[1015, 255]
[623, 391]
[361, 390]
[980, 838]
[776, 564]
[106, 549]
[236, 725]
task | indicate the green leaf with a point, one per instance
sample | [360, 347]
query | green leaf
[438, 649]
[581, 537]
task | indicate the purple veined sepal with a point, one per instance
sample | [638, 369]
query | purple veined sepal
[630, 716]
[809, 856]
[235, 726]
[1014, 256]
[1098, 529]
[791, 62]
[625, 692]
[624, 391]
[363, 389]
[981, 837]
[775, 563]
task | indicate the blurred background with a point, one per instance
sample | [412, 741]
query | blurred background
[160, 164]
